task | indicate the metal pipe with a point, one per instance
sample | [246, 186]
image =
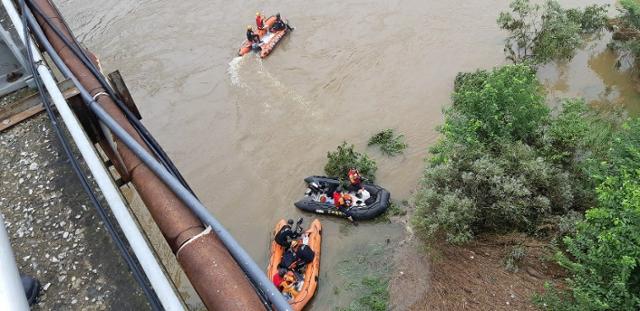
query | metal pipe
[12, 296]
[141, 249]
[91, 66]
[134, 151]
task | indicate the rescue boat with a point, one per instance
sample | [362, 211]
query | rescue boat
[269, 39]
[312, 270]
[318, 199]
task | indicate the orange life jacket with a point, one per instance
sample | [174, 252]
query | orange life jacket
[354, 177]
[289, 284]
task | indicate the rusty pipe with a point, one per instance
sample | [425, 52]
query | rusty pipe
[220, 285]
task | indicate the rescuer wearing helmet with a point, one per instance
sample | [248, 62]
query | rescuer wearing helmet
[259, 21]
[285, 235]
[252, 37]
[279, 24]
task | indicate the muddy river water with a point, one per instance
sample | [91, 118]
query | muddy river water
[246, 131]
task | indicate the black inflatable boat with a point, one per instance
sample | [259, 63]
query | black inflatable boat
[318, 199]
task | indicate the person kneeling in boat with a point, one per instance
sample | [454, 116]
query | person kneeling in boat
[343, 204]
[286, 235]
[279, 24]
[252, 37]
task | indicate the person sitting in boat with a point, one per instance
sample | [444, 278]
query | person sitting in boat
[279, 24]
[259, 21]
[278, 278]
[355, 180]
[289, 257]
[286, 235]
[252, 37]
[304, 255]
[344, 205]
[289, 285]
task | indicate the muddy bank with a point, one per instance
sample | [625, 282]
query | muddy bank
[54, 230]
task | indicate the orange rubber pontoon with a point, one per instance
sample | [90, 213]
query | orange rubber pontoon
[312, 270]
[270, 39]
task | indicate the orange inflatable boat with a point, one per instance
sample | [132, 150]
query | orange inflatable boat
[269, 39]
[311, 271]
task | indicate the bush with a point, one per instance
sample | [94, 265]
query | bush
[577, 140]
[390, 144]
[340, 161]
[505, 104]
[539, 34]
[603, 256]
[473, 193]
[513, 260]
[504, 163]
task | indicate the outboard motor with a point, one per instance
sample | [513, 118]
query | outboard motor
[315, 188]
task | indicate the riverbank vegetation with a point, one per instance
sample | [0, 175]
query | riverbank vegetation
[603, 254]
[508, 164]
[505, 163]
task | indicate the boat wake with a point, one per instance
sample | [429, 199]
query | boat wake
[276, 84]
[234, 71]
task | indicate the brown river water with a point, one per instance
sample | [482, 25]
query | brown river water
[246, 131]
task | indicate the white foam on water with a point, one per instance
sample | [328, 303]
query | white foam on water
[234, 71]
[272, 81]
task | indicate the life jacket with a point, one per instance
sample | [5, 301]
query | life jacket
[354, 177]
[336, 198]
[289, 284]
[259, 22]
[342, 204]
[277, 280]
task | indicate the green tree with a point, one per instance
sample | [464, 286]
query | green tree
[626, 27]
[491, 107]
[541, 33]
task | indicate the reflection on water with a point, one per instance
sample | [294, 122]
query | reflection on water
[592, 74]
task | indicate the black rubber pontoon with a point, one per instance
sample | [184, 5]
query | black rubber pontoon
[372, 207]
